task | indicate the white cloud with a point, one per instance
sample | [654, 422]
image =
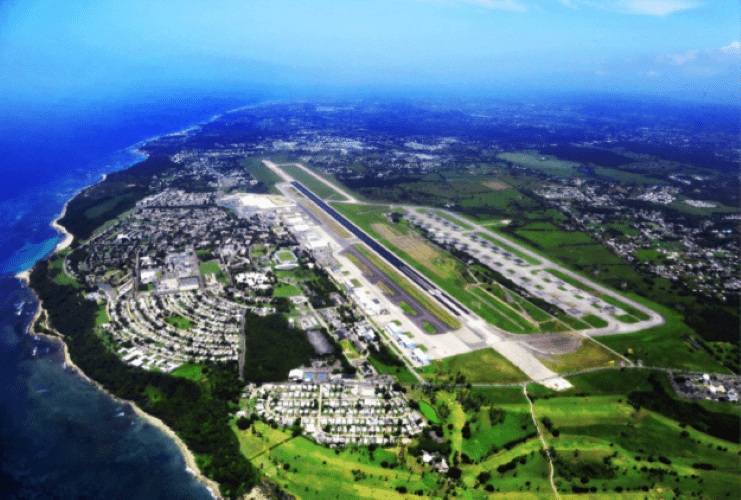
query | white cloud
[657, 7]
[653, 74]
[731, 48]
[641, 7]
[679, 59]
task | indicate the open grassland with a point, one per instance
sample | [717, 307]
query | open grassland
[664, 345]
[555, 238]
[400, 373]
[179, 322]
[287, 291]
[621, 450]
[482, 366]
[57, 274]
[209, 268]
[589, 355]
[311, 183]
[499, 314]
[101, 316]
[545, 163]
[261, 173]
[486, 434]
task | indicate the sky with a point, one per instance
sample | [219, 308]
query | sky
[56, 51]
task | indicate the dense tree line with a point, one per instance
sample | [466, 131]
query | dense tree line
[199, 415]
[110, 198]
[273, 348]
[720, 425]
[384, 355]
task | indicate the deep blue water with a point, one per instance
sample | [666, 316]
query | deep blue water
[61, 437]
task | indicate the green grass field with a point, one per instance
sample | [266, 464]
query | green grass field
[485, 436]
[210, 268]
[589, 355]
[408, 309]
[400, 373]
[429, 328]
[101, 317]
[664, 345]
[429, 412]
[179, 322]
[312, 183]
[482, 366]
[594, 427]
[594, 321]
[262, 173]
[287, 291]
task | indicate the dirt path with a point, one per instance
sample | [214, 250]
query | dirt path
[542, 440]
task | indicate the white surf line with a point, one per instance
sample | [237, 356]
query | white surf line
[542, 440]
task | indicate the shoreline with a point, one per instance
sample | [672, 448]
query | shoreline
[190, 461]
[24, 276]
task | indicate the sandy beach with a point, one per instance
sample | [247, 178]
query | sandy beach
[190, 460]
[187, 454]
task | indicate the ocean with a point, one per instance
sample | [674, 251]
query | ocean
[62, 438]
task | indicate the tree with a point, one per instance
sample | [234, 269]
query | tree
[454, 473]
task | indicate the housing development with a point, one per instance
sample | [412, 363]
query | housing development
[420, 314]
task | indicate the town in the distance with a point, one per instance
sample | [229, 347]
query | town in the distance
[422, 300]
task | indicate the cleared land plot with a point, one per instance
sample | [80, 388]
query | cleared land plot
[478, 367]
[589, 355]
